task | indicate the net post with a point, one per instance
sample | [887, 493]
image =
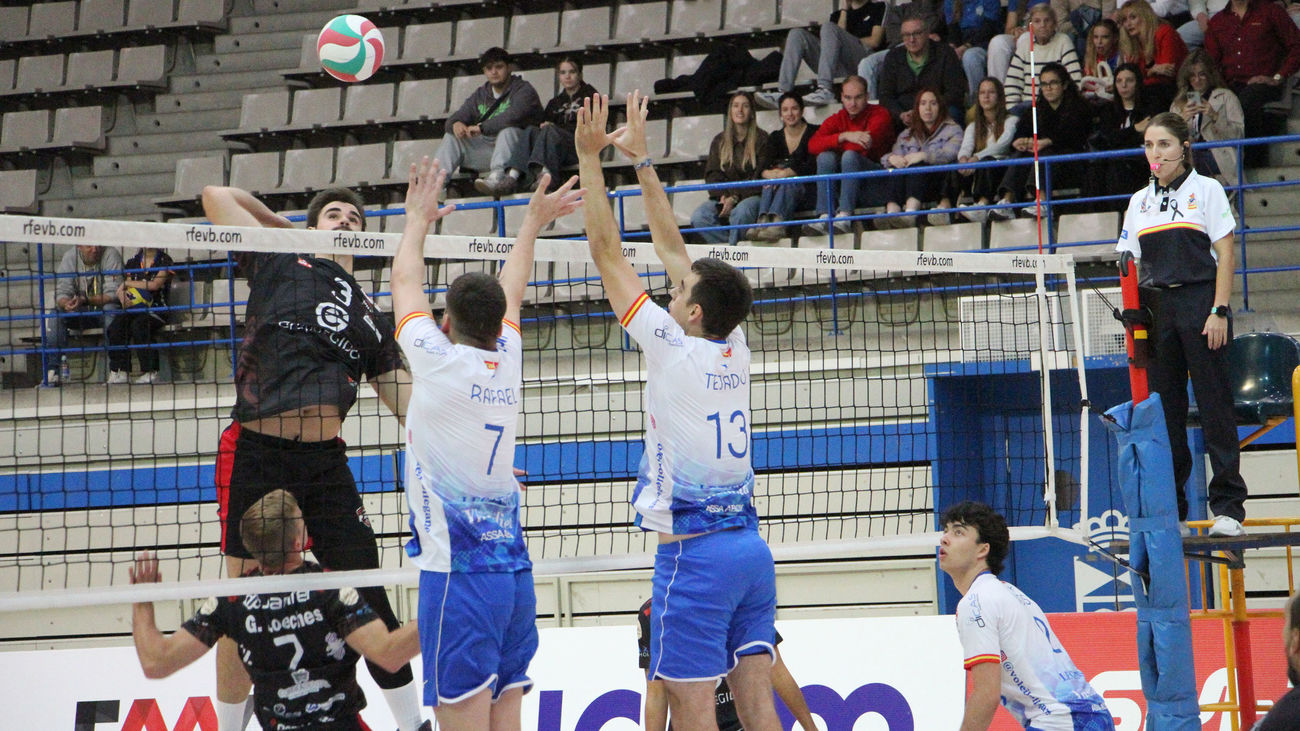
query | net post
[1135, 335]
[1047, 361]
[1081, 353]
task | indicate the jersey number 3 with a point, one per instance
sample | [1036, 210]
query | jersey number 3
[740, 439]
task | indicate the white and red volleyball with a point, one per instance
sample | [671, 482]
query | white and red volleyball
[350, 47]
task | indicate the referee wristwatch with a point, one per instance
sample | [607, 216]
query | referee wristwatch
[1220, 310]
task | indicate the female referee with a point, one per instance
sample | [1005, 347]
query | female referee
[1180, 226]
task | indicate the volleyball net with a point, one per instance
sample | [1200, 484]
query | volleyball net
[885, 385]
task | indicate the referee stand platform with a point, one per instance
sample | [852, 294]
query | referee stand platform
[1266, 376]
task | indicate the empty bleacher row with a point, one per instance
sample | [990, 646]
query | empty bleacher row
[58, 77]
[71, 23]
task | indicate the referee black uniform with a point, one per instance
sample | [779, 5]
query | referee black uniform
[1172, 230]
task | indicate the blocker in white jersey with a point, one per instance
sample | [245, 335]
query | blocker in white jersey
[695, 475]
[1041, 687]
[464, 404]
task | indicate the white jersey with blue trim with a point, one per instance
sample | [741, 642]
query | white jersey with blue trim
[1040, 684]
[695, 475]
[460, 448]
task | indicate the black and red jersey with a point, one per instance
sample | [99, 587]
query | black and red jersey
[293, 645]
[310, 337]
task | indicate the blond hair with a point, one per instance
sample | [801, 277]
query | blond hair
[730, 133]
[1143, 50]
[270, 527]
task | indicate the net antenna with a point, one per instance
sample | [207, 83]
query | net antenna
[1033, 113]
[851, 459]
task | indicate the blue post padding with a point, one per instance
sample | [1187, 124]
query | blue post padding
[1164, 627]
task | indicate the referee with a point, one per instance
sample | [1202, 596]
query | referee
[1181, 226]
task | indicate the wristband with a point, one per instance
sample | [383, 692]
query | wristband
[643, 164]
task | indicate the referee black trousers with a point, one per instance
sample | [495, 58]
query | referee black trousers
[1180, 350]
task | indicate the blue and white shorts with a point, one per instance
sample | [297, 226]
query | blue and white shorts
[714, 601]
[477, 631]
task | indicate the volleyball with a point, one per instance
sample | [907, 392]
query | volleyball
[135, 297]
[350, 48]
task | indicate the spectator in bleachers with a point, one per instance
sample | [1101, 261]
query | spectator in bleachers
[1154, 47]
[787, 157]
[920, 63]
[490, 129]
[737, 153]
[1003, 46]
[1212, 112]
[1064, 123]
[1076, 18]
[1049, 46]
[1100, 59]
[85, 294]
[969, 35]
[849, 141]
[142, 292]
[552, 142]
[1173, 11]
[1285, 713]
[987, 137]
[1193, 31]
[727, 67]
[1256, 47]
[1120, 126]
[869, 67]
[931, 138]
[853, 31]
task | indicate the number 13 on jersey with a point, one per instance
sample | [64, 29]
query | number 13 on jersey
[737, 438]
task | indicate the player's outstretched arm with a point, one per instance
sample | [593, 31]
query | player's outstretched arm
[631, 141]
[394, 389]
[388, 650]
[422, 192]
[160, 655]
[787, 688]
[985, 694]
[542, 209]
[622, 285]
[237, 207]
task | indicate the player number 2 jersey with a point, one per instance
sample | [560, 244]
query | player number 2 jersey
[1040, 684]
[460, 448]
[695, 475]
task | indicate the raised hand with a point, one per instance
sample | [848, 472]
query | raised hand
[589, 136]
[546, 207]
[630, 139]
[423, 191]
[145, 570]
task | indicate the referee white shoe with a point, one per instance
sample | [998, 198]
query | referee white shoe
[1227, 527]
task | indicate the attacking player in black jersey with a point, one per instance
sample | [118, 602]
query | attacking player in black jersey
[300, 647]
[310, 337]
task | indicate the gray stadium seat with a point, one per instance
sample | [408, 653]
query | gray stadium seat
[684, 64]
[476, 35]
[750, 14]
[369, 102]
[18, 191]
[694, 17]
[40, 73]
[632, 75]
[90, 69]
[953, 237]
[406, 152]
[597, 74]
[312, 107]
[418, 98]
[543, 80]
[13, 22]
[470, 221]
[257, 172]
[308, 60]
[534, 32]
[768, 119]
[807, 12]
[52, 20]
[900, 239]
[1018, 233]
[144, 66]
[584, 26]
[79, 127]
[8, 67]
[426, 42]
[641, 21]
[25, 130]
[309, 169]
[656, 137]
[150, 13]
[361, 164]
[686, 202]
[1078, 227]
[101, 16]
[691, 136]
[202, 13]
[263, 111]
[632, 217]
[194, 173]
[461, 87]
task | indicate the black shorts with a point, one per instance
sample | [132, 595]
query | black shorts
[250, 465]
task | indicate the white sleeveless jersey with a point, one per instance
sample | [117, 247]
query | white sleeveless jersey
[1040, 684]
[695, 475]
[460, 448]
